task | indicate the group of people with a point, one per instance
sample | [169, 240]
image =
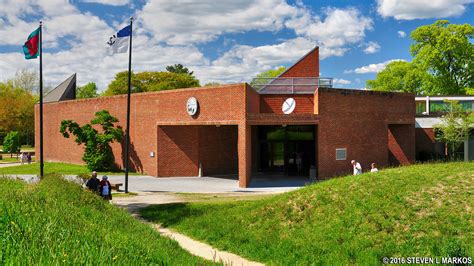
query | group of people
[358, 168]
[100, 187]
[25, 157]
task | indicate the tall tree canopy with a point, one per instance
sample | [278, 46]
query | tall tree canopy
[25, 79]
[443, 62]
[179, 69]
[272, 73]
[87, 91]
[150, 81]
[401, 76]
[17, 111]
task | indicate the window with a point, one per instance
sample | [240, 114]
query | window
[420, 107]
[341, 154]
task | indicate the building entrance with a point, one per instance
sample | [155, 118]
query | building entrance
[287, 149]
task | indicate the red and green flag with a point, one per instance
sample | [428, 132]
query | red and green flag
[31, 47]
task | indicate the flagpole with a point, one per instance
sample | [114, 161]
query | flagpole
[127, 132]
[41, 98]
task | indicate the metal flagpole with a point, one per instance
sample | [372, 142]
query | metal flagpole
[127, 132]
[41, 98]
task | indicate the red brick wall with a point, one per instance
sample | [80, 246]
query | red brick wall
[358, 121]
[308, 66]
[401, 144]
[178, 150]
[219, 105]
[218, 150]
[425, 140]
[272, 103]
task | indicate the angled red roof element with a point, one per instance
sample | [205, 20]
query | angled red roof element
[307, 66]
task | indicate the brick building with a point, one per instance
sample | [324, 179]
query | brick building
[286, 125]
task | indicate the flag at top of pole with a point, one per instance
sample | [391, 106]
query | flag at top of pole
[31, 46]
[118, 43]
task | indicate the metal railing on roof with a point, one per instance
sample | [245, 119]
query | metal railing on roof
[280, 85]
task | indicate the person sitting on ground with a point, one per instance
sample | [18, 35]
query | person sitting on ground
[93, 183]
[373, 168]
[356, 167]
[105, 188]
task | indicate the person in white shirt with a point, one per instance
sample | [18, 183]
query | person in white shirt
[373, 168]
[356, 167]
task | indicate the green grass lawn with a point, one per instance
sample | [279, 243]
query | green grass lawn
[57, 222]
[421, 210]
[24, 148]
[50, 168]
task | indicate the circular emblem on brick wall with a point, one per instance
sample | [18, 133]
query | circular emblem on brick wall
[192, 106]
[288, 106]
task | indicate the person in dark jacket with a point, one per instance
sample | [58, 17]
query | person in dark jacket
[93, 184]
[105, 188]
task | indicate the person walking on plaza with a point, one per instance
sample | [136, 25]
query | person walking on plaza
[373, 168]
[93, 183]
[105, 188]
[356, 167]
[28, 158]
[22, 158]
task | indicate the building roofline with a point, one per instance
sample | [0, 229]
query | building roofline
[299, 60]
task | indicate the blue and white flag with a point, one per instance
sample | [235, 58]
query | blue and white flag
[118, 43]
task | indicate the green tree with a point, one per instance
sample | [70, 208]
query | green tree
[454, 127]
[261, 78]
[12, 144]
[179, 69]
[446, 51]
[17, 111]
[402, 76]
[87, 91]
[212, 84]
[150, 81]
[98, 154]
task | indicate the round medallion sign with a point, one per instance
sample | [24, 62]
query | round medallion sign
[192, 106]
[288, 106]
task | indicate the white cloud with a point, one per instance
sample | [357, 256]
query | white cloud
[401, 34]
[421, 9]
[371, 48]
[339, 28]
[108, 2]
[175, 22]
[341, 81]
[372, 68]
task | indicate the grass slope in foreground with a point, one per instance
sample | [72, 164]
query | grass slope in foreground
[56, 222]
[51, 168]
[420, 210]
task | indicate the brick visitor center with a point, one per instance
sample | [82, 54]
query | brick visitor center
[292, 125]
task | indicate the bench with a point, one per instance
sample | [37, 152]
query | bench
[116, 186]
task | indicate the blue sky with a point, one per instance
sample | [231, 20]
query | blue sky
[223, 41]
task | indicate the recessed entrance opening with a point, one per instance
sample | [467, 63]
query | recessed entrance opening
[288, 150]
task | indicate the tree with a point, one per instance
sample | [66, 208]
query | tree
[212, 84]
[179, 69]
[17, 111]
[26, 80]
[454, 127]
[402, 76]
[12, 144]
[264, 77]
[87, 91]
[150, 81]
[443, 62]
[98, 154]
[445, 50]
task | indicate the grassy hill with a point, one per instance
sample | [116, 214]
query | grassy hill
[57, 222]
[52, 168]
[421, 210]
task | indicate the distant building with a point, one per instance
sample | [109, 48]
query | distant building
[284, 126]
[429, 109]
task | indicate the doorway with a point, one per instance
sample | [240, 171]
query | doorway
[289, 150]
